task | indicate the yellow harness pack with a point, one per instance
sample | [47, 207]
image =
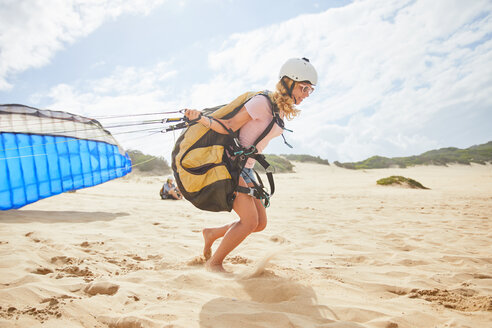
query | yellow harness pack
[207, 164]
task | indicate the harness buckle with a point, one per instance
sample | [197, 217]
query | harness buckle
[251, 192]
[250, 151]
[246, 151]
[265, 201]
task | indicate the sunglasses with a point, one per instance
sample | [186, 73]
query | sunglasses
[306, 88]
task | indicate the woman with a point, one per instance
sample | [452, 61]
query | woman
[297, 78]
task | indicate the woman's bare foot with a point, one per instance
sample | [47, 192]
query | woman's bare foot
[215, 267]
[208, 238]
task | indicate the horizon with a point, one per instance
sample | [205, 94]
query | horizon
[397, 78]
[332, 161]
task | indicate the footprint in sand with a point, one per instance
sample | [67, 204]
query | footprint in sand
[411, 263]
[34, 239]
[136, 257]
[42, 271]
[89, 245]
[198, 260]
[124, 322]
[481, 276]
[278, 239]
[126, 265]
[63, 260]
[400, 291]
[466, 300]
[356, 259]
[201, 260]
[238, 260]
[48, 308]
[405, 248]
[105, 288]
[75, 271]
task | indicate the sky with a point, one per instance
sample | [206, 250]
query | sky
[396, 78]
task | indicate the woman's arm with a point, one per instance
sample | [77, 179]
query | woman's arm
[234, 123]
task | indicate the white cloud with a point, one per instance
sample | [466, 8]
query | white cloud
[388, 71]
[32, 31]
[127, 91]
[391, 66]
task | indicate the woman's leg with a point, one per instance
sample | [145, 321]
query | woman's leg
[244, 206]
[210, 235]
[262, 216]
[174, 194]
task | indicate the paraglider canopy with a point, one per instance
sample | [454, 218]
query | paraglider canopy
[44, 153]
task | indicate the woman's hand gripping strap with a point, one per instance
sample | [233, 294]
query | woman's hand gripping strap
[186, 122]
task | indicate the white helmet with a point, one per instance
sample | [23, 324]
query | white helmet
[299, 69]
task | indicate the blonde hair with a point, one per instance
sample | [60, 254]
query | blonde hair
[284, 102]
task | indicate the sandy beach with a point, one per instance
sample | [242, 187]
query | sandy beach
[338, 251]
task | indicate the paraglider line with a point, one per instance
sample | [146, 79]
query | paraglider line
[5, 158]
[134, 115]
[155, 130]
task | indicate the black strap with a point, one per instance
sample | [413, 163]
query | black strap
[271, 182]
[258, 190]
[229, 131]
[265, 132]
[289, 90]
[276, 119]
[260, 158]
[272, 123]
[285, 141]
[252, 191]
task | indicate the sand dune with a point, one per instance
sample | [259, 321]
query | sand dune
[338, 251]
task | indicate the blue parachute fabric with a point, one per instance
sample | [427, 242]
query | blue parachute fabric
[45, 153]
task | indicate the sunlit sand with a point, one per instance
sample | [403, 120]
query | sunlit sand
[338, 251]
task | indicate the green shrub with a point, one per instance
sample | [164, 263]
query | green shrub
[399, 180]
[280, 164]
[480, 154]
[349, 166]
[306, 158]
[149, 164]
